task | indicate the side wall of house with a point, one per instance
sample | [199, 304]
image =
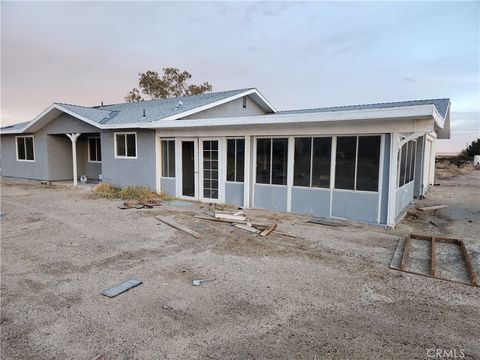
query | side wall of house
[135, 171]
[36, 170]
[230, 109]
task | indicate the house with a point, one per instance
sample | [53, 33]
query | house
[363, 162]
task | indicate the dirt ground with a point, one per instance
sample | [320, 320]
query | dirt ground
[328, 294]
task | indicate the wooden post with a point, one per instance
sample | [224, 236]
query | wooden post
[473, 276]
[73, 138]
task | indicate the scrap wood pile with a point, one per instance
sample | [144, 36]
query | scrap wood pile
[239, 220]
[135, 204]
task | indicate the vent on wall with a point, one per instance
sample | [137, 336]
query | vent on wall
[244, 102]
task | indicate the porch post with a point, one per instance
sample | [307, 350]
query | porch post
[73, 138]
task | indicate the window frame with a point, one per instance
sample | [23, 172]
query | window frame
[410, 161]
[174, 159]
[235, 161]
[115, 145]
[271, 158]
[25, 147]
[312, 139]
[380, 162]
[88, 146]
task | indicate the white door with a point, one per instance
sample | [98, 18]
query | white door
[210, 161]
[188, 166]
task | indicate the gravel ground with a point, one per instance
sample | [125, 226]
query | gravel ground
[328, 294]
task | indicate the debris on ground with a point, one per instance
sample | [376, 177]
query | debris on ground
[2, 216]
[268, 230]
[199, 282]
[167, 307]
[179, 227]
[228, 215]
[433, 223]
[429, 208]
[121, 288]
[420, 258]
[327, 222]
[246, 227]
[139, 204]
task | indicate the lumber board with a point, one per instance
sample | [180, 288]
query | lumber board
[432, 258]
[428, 208]
[230, 221]
[473, 276]
[246, 227]
[437, 239]
[405, 253]
[268, 230]
[179, 227]
[121, 288]
[230, 217]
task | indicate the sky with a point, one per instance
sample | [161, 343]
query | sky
[297, 54]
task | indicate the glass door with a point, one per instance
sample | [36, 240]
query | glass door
[209, 171]
[189, 168]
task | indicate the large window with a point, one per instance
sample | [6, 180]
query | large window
[25, 151]
[357, 163]
[312, 162]
[235, 159]
[168, 158]
[126, 145]
[406, 168]
[94, 150]
[272, 157]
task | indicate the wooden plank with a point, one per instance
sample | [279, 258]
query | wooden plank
[230, 221]
[247, 228]
[179, 227]
[230, 217]
[432, 258]
[428, 208]
[473, 276]
[327, 222]
[268, 230]
[405, 253]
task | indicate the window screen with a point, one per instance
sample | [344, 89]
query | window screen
[322, 155]
[264, 148]
[368, 163]
[168, 158]
[302, 161]
[279, 161]
[403, 165]
[235, 159]
[345, 162]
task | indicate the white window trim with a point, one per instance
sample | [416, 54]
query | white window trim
[161, 158]
[33, 144]
[235, 161]
[356, 165]
[115, 145]
[88, 146]
[271, 157]
[399, 162]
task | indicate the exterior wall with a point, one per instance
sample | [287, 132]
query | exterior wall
[355, 205]
[60, 165]
[311, 201]
[168, 186]
[404, 196]
[232, 108]
[419, 158]
[136, 171]
[272, 197]
[234, 193]
[385, 180]
[36, 170]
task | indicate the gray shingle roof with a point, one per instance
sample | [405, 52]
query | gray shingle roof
[440, 104]
[127, 113]
[17, 126]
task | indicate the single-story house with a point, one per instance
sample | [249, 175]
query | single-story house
[362, 162]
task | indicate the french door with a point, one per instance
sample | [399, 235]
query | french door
[210, 169]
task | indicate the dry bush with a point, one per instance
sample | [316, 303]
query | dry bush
[138, 193]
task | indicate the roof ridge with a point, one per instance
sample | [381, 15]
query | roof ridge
[171, 98]
[368, 104]
[82, 106]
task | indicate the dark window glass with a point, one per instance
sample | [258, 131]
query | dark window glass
[403, 166]
[263, 161]
[120, 145]
[131, 147]
[94, 149]
[231, 160]
[302, 161]
[368, 163]
[279, 161]
[240, 159]
[99, 149]
[21, 148]
[411, 173]
[168, 158]
[345, 162]
[29, 147]
[409, 162]
[322, 155]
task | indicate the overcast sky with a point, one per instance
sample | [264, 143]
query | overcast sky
[299, 55]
